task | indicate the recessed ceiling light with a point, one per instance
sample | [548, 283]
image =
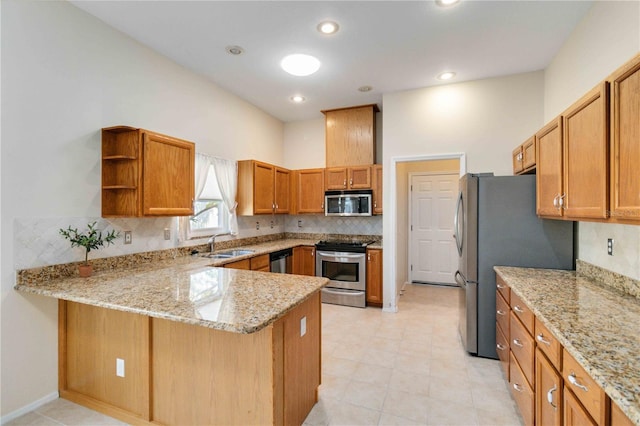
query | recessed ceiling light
[234, 50]
[298, 99]
[328, 27]
[365, 88]
[300, 65]
[448, 75]
[446, 3]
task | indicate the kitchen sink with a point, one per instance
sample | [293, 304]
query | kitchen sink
[228, 254]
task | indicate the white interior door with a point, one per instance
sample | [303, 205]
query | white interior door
[432, 249]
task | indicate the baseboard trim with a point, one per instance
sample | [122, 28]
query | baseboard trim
[30, 407]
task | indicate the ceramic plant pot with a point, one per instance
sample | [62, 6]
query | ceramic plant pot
[85, 270]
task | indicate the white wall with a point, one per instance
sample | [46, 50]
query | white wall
[65, 75]
[304, 145]
[484, 119]
[607, 37]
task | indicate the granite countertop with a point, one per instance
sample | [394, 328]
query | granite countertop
[192, 290]
[599, 326]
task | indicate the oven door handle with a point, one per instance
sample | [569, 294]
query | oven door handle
[333, 255]
[340, 292]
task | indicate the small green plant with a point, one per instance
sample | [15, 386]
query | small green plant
[92, 239]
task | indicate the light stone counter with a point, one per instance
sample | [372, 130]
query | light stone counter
[189, 289]
[597, 325]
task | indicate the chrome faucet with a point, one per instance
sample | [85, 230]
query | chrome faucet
[212, 240]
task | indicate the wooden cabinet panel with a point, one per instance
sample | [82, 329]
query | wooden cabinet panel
[618, 418]
[350, 135]
[529, 154]
[502, 313]
[282, 190]
[304, 260]
[240, 264]
[146, 174]
[344, 178]
[309, 190]
[548, 392]
[374, 277]
[260, 263]
[548, 343]
[522, 311]
[522, 392]
[360, 177]
[336, 178]
[503, 289]
[377, 188]
[585, 389]
[625, 148]
[586, 155]
[517, 160]
[549, 176]
[523, 348]
[502, 349]
[262, 188]
[574, 413]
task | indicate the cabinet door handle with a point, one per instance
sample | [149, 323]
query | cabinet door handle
[501, 312]
[369, 257]
[561, 200]
[540, 338]
[555, 201]
[500, 347]
[375, 204]
[500, 286]
[518, 309]
[350, 181]
[574, 381]
[518, 387]
[313, 253]
[518, 343]
[550, 397]
[322, 206]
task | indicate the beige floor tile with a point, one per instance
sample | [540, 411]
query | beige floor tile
[376, 375]
[319, 415]
[365, 395]
[498, 418]
[410, 382]
[405, 404]
[345, 414]
[450, 413]
[338, 367]
[68, 413]
[352, 351]
[455, 391]
[379, 357]
[387, 419]
[333, 387]
[413, 364]
[33, 419]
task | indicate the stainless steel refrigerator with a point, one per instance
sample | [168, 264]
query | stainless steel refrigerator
[496, 224]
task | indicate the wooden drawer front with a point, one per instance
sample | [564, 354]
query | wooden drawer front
[548, 392]
[240, 264]
[592, 397]
[523, 312]
[260, 263]
[522, 346]
[502, 314]
[574, 412]
[618, 418]
[503, 288]
[502, 348]
[529, 153]
[548, 344]
[521, 392]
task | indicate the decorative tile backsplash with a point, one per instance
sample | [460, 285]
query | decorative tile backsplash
[38, 243]
[626, 247]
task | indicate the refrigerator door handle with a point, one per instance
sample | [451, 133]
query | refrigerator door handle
[457, 223]
[459, 279]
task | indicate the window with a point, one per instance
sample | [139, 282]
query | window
[211, 215]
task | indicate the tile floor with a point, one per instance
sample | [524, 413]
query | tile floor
[407, 368]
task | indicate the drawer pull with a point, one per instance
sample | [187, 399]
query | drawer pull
[500, 347]
[540, 338]
[518, 387]
[518, 309]
[500, 286]
[518, 343]
[501, 312]
[550, 397]
[574, 381]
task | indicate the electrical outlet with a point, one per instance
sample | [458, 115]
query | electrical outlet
[610, 246]
[299, 224]
[119, 367]
[271, 224]
[167, 233]
[257, 225]
[127, 237]
[303, 326]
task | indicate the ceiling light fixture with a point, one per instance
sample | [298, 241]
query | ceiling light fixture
[365, 88]
[300, 65]
[447, 3]
[328, 27]
[298, 99]
[234, 50]
[448, 75]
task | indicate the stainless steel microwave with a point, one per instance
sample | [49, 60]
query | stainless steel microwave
[348, 203]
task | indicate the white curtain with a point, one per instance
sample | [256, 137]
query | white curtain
[203, 162]
[227, 177]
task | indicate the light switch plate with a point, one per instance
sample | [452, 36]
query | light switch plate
[303, 326]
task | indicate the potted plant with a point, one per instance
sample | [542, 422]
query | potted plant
[92, 239]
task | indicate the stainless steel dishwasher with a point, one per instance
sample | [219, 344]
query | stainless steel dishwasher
[282, 261]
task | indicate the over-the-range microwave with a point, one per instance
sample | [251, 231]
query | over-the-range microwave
[348, 203]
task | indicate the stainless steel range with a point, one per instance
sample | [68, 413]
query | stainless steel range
[344, 264]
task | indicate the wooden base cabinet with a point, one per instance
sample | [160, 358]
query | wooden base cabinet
[304, 260]
[548, 392]
[574, 412]
[181, 374]
[374, 277]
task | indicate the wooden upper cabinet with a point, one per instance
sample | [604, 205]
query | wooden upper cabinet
[625, 141]
[529, 154]
[549, 175]
[343, 178]
[586, 155]
[517, 160]
[308, 191]
[146, 174]
[377, 188]
[350, 135]
[262, 188]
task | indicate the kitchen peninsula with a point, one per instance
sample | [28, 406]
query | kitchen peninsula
[182, 342]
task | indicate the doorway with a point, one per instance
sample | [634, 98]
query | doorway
[432, 251]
